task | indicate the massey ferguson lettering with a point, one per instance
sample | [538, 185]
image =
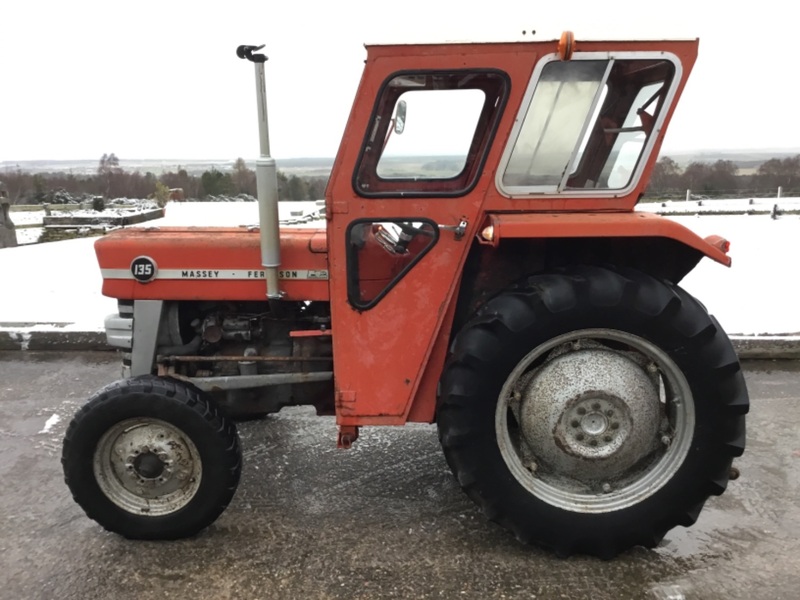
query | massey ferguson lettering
[199, 274]
[144, 269]
[291, 274]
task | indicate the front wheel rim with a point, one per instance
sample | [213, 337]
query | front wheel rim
[147, 466]
[595, 420]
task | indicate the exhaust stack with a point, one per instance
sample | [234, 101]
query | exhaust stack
[266, 180]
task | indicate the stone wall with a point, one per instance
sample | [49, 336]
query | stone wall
[8, 233]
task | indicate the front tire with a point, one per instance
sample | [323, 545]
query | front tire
[151, 458]
[592, 410]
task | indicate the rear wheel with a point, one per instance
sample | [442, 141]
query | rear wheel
[151, 458]
[592, 410]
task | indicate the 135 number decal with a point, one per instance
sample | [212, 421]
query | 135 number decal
[143, 269]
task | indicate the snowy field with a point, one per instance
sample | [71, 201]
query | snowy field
[58, 284]
[759, 293]
[28, 235]
[722, 206]
[231, 214]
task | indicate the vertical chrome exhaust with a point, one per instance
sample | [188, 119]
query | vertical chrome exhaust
[266, 180]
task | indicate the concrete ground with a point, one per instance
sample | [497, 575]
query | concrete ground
[383, 520]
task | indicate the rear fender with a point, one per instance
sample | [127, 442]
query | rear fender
[511, 246]
[498, 227]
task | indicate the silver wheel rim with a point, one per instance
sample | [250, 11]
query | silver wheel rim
[595, 420]
[147, 466]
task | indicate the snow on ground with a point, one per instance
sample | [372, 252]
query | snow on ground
[759, 293]
[236, 214]
[29, 235]
[23, 219]
[27, 217]
[722, 206]
[57, 285]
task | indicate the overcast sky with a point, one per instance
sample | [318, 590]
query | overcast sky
[160, 79]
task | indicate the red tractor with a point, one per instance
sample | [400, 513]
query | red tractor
[482, 268]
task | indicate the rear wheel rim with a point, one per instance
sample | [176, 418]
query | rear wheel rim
[147, 466]
[595, 420]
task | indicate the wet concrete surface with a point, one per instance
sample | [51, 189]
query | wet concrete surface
[383, 520]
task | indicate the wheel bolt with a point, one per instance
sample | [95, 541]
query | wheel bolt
[596, 406]
[615, 426]
[581, 411]
[580, 437]
[606, 487]
[575, 423]
[593, 443]
[666, 440]
[607, 438]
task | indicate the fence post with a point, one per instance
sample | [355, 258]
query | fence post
[780, 190]
[688, 195]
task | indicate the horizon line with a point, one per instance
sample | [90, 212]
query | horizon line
[331, 158]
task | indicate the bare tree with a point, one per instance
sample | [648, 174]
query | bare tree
[109, 172]
[244, 178]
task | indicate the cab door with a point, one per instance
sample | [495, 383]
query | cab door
[401, 225]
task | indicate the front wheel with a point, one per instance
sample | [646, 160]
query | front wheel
[592, 410]
[151, 458]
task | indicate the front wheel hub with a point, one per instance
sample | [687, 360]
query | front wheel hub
[147, 466]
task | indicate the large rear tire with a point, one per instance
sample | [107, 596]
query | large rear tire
[151, 458]
[592, 409]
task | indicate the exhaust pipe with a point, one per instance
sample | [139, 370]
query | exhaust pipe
[266, 181]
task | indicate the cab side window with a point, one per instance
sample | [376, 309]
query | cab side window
[429, 133]
[587, 124]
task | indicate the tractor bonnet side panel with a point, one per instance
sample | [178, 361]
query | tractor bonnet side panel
[208, 264]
